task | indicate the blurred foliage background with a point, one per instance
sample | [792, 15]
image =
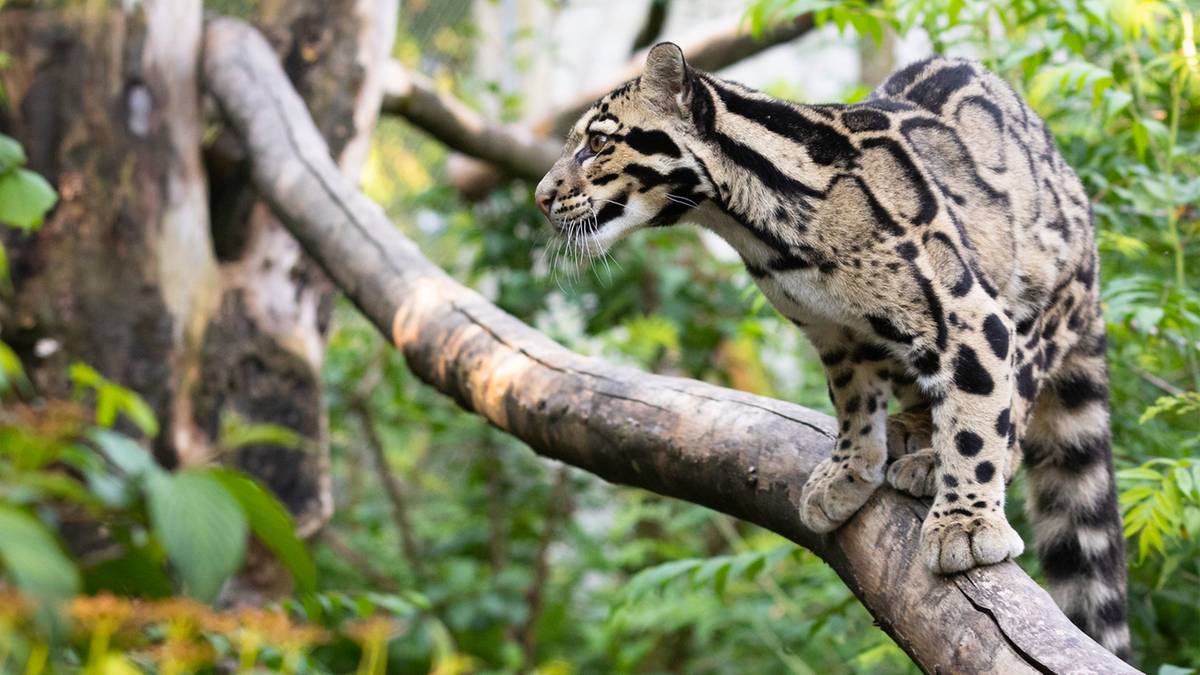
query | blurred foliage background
[473, 555]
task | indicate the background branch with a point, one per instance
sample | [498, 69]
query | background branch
[745, 455]
[489, 150]
[652, 25]
[513, 149]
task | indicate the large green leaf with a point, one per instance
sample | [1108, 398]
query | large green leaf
[272, 524]
[32, 559]
[201, 526]
[25, 197]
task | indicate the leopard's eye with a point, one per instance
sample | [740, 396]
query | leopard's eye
[596, 142]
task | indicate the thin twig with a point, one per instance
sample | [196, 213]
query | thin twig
[395, 489]
[558, 510]
[360, 562]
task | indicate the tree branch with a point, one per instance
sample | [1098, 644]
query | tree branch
[513, 149]
[493, 149]
[652, 25]
[745, 455]
[711, 52]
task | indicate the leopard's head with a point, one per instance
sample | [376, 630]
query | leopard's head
[628, 162]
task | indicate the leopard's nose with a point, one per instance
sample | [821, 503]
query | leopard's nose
[544, 202]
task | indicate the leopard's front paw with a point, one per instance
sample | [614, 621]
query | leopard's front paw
[915, 474]
[953, 543]
[835, 491]
[909, 431]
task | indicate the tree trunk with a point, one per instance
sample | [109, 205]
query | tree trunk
[106, 102]
[263, 350]
[205, 306]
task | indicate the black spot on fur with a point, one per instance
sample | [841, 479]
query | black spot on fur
[997, 335]
[968, 443]
[869, 352]
[843, 379]
[612, 209]
[931, 93]
[926, 361]
[853, 405]
[1026, 386]
[1077, 389]
[1076, 455]
[1003, 423]
[886, 329]
[1064, 559]
[863, 119]
[833, 358]
[969, 374]
[901, 79]
[984, 471]
[651, 142]
[1112, 613]
[949, 481]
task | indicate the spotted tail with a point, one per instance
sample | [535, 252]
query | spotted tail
[1072, 498]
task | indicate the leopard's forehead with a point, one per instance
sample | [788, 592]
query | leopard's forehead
[618, 108]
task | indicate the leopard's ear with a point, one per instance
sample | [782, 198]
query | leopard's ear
[666, 80]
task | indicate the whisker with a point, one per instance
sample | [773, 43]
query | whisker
[625, 206]
[682, 200]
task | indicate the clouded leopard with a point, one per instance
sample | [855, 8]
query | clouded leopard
[934, 246]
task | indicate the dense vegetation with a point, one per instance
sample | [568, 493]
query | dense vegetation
[476, 555]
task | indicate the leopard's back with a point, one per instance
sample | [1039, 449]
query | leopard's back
[992, 158]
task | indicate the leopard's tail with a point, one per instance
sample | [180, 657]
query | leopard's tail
[1072, 497]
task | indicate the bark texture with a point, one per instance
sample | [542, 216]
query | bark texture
[106, 102]
[744, 455]
[160, 268]
[262, 352]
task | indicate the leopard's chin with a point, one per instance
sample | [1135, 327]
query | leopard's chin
[590, 240]
[599, 241]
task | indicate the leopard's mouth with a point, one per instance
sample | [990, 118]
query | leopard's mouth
[584, 233]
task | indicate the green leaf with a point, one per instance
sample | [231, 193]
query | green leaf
[25, 197]
[237, 432]
[32, 559]
[10, 368]
[130, 457]
[113, 399]
[201, 526]
[12, 155]
[272, 524]
[135, 572]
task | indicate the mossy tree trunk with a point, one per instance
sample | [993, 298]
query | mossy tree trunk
[159, 267]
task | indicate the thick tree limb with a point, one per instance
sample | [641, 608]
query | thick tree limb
[745, 455]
